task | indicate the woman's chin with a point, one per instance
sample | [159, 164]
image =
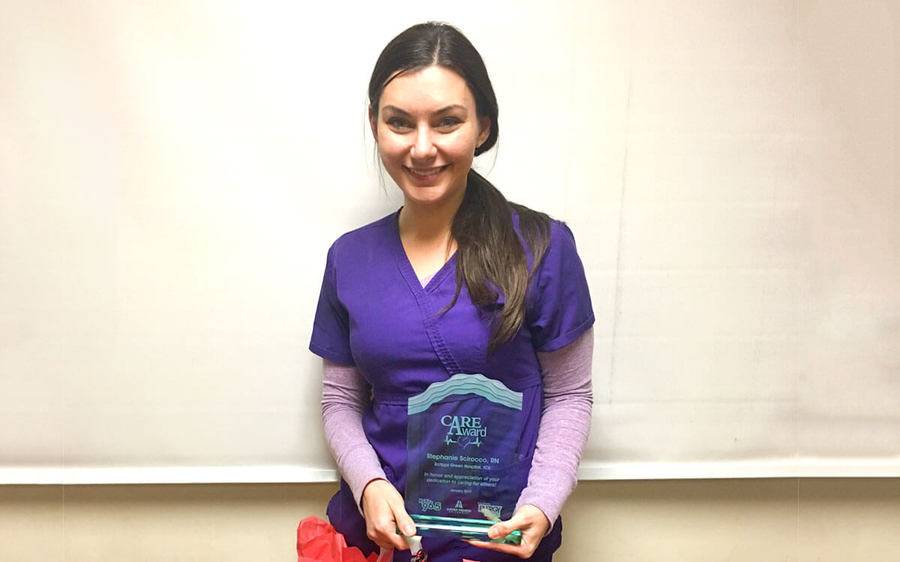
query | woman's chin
[424, 196]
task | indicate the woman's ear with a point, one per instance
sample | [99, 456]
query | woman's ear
[373, 123]
[485, 126]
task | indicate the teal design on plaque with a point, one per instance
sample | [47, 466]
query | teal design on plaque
[464, 383]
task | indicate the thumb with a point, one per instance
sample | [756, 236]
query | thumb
[503, 528]
[404, 522]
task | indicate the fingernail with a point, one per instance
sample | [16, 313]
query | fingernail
[409, 530]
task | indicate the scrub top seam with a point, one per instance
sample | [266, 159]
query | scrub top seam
[423, 299]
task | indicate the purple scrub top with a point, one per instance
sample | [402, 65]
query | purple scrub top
[373, 313]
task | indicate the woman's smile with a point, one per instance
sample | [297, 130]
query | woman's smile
[426, 176]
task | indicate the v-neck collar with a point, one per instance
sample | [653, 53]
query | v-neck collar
[406, 268]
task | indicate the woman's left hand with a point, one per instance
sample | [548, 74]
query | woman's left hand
[528, 519]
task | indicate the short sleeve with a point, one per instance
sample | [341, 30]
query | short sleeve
[331, 327]
[560, 306]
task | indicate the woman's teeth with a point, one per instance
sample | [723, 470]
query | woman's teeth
[426, 173]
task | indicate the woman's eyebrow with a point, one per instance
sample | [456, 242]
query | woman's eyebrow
[438, 112]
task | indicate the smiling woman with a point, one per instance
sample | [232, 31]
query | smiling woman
[427, 130]
[458, 366]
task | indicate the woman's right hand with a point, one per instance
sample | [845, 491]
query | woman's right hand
[384, 512]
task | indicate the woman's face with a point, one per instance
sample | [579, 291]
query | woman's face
[427, 131]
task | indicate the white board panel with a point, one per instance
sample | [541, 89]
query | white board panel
[172, 174]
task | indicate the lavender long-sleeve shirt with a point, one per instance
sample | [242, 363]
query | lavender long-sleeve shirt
[564, 428]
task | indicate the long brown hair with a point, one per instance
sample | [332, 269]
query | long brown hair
[490, 257]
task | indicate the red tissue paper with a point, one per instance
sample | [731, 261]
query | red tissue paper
[317, 541]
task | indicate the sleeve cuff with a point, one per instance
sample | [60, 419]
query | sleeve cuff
[565, 339]
[359, 482]
[548, 507]
[332, 355]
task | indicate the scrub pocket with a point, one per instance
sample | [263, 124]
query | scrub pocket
[464, 438]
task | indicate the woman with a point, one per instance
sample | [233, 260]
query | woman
[393, 322]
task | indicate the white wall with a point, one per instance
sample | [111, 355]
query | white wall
[172, 174]
[729, 169]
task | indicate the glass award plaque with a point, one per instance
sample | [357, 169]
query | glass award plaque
[464, 470]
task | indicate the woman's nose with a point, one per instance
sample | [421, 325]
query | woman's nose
[423, 144]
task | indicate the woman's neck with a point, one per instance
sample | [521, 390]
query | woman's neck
[428, 223]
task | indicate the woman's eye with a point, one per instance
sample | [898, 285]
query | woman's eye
[398, 123]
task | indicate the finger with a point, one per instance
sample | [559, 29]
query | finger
[388, 540]
[499, 530]
[378, 539]
[399, 542]
[396, 541]
[404, 522]
[384, 534]
[381, 543]
[520, 551]
[503, 528]
[394, 534]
